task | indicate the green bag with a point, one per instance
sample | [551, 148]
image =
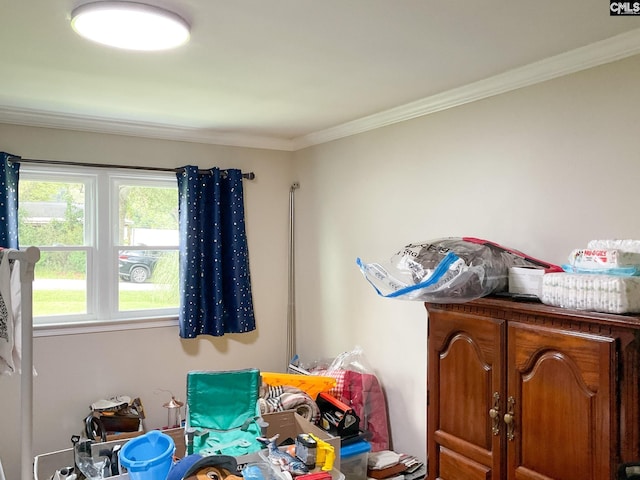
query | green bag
[223, 413]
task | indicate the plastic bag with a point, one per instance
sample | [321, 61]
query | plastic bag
[353, 360]
[358, 387]
[608, 257]
[448, 270]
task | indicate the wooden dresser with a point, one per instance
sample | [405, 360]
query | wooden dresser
[525, 391]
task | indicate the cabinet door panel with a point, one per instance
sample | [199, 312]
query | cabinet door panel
[466, 412]
[465, 370]
[561, 384]
[458, 467]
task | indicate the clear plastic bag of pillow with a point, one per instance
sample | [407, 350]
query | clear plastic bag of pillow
[447, 270]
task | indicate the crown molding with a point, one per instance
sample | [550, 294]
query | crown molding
[595, 54]
[39, 118]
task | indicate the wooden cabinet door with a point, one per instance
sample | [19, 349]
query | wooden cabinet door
[465, 369]
[561, 389]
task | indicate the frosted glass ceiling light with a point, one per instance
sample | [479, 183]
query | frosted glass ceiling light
[130, 25]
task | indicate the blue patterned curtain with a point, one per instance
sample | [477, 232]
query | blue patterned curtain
[9, 170]
[215, 285]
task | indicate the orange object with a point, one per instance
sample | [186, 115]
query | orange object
[311, 384]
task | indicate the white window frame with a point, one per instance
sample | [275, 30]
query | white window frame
[102, 249]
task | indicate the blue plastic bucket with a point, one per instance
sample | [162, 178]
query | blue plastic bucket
[149, 456]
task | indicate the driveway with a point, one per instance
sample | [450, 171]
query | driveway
[56, 284]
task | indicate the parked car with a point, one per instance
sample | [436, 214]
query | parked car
[137, 266]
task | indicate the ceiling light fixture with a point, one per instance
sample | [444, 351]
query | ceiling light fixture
[130, 25]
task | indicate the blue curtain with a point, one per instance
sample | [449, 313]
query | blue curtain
[215, 285]
[9, 170]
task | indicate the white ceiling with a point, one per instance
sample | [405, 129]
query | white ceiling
[290, 73]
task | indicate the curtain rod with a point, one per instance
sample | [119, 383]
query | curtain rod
[248, 176]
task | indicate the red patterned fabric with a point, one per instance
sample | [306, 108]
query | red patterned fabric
[363, 393]
[338, 389]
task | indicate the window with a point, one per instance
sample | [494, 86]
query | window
[108, 241]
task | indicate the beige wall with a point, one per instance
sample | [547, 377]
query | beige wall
[76, 370]
[542, 169]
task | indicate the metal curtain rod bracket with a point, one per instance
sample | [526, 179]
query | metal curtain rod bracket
[248, 175]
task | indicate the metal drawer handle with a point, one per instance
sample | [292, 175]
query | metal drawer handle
[494, 413]
[509, 418]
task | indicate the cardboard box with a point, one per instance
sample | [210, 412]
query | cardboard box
[123, 436]
[289, 424]
[526, 280]
[178, 438]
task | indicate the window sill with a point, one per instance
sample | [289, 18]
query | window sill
[52, 330]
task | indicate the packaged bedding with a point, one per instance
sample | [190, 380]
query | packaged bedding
[593, 292]
[447, 270]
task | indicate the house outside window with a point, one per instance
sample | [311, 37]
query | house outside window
[108, 241]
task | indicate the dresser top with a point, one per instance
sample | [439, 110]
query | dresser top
[512, 309]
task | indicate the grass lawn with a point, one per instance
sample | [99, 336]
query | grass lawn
[56, 302]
